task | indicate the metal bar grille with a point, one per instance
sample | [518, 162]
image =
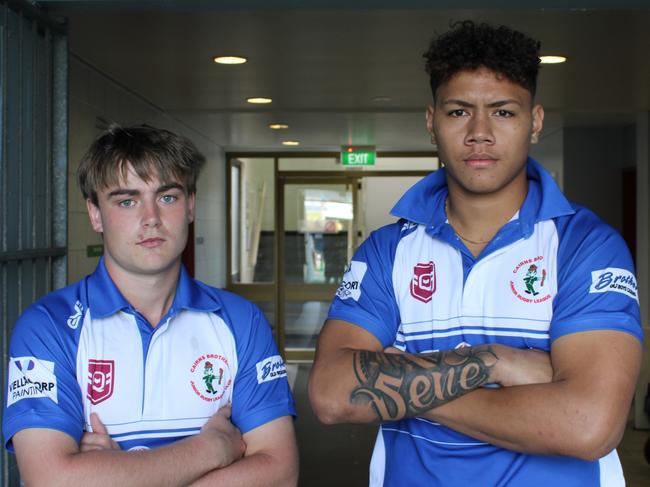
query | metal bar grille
[33, 168]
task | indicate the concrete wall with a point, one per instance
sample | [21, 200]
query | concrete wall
[95, 98]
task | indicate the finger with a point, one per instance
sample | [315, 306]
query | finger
[225, 411]
[392, 350]
[97, 425]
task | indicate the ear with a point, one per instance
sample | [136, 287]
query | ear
[429, 117]
[95, 216]
[538, 123]
[191, 206]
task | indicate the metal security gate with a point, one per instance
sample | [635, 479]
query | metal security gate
[33, 168]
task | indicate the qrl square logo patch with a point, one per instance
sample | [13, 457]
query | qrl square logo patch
[423, 282]
[101, 380]
[614, 279]
[30, 378]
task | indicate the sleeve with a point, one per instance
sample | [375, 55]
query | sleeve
[597, 288]
[261, 390]
[42, 388]
[366, 296]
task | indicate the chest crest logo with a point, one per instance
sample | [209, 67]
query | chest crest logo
[529, 283]
[210, 377]
[423, 282]
[101, 380]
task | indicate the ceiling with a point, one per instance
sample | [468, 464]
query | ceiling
[324, 63]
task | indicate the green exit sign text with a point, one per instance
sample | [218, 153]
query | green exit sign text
[357, 155]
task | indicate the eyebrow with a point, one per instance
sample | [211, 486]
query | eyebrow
[495, 104]
[134, 192]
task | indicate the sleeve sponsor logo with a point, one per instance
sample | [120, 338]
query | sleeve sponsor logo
[270, 368]
[614, 279]
[30, 378]
[351, 285]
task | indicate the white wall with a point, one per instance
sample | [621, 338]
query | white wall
[94, 95]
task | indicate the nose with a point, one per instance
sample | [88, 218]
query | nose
[479, 130]
[150, 214]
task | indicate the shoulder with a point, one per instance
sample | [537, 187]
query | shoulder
[238, 313]
[587, 231]
[61, 310]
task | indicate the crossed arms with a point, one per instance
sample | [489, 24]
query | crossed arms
[576, 407]
[218, 455]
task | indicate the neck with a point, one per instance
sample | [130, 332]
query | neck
[477, 218]
[151, 295]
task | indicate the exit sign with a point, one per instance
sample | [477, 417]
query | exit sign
[357, 155]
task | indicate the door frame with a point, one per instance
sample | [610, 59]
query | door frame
[274, 291]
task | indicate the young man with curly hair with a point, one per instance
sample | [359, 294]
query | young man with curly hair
[494, 330]
[138, 374]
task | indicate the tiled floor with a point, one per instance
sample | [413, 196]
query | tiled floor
[339, 455]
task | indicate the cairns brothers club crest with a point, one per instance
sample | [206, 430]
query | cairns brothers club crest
[530, 281]
[423, 282]
[210, 377]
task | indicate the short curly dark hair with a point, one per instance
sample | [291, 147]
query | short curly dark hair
[469, 46]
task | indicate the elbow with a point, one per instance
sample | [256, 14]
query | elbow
[326, 406]
[595, 440]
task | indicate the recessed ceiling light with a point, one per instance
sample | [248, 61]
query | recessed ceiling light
[230, 60]
[381, 99]
[278, 126]
[290, 142]
[259, 100]
[552, 59]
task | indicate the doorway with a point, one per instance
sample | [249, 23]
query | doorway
[294, 223]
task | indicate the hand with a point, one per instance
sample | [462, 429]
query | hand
[220, 429]
[98, 439]
[522, 367]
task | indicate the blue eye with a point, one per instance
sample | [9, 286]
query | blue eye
[127, 203]
[168, 198]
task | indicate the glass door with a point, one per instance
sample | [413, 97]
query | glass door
[317, 238]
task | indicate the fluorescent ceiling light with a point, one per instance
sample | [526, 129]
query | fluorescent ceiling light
[290, 142]
[259, 100]
[230, 60]
[552, 59]
[278, 126]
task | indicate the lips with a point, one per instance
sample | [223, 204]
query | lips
[480, 160]
[151, 242]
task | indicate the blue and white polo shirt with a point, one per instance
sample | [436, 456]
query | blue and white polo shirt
[554, 269]
[85, 349]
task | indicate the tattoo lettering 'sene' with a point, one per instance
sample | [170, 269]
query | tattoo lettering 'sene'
[400, 386]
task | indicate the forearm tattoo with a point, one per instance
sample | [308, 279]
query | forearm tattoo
[398, 386]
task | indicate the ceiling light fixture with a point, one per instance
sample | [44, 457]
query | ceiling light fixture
[552, 59]
[290, 142]
[259, 100]
[278, 126]
[230, 60]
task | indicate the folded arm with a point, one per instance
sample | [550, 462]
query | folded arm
[581, 413]
[50, 457]
[271, 459]
[353, 380]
